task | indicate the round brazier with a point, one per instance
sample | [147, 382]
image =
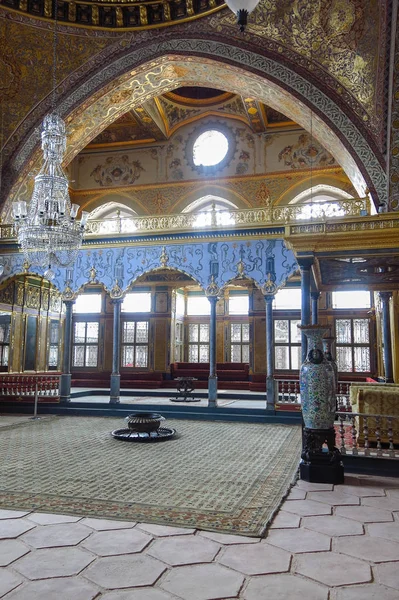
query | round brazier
[144, 422]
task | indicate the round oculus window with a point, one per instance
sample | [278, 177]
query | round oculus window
[210, 148]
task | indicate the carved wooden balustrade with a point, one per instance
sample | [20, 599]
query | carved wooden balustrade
[288, 394]
[25, 388]
[217, 219]
[374, 436]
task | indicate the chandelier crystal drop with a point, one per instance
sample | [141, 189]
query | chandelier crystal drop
[47, 229]
[242, 8]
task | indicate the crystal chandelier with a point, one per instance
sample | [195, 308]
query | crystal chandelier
[47, 229]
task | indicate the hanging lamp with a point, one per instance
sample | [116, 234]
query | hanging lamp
[242, 8]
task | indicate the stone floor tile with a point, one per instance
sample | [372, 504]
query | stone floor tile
[314, 487]
[53, 536]
[13, 514]
[388, 574]
[13, 528]
[54, 562]
[50, 519]
[299, 540]
[296, 493]
[368, 548]
[306, 508]
[225, 538]
[107, 524]
[393, 492]
[11, 550]
[259, 559]
[283, 587]
[120, 541]
[364, 514]
[333, 569]
[203, 582]
[141, 594]
[391, 503]
[335, 498]
[132, 570]
[8, 581]
[389, 531]
[285, 520]
[333, 526]
[360, 490]
[372, 591]
[184, 550]
[73, 588]
[164, 530]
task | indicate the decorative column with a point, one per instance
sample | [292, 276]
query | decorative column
[115, 384]
[386, 335]
[212, 292]
[315, 307]
[269, 290]
[68, 298]
[305, 263]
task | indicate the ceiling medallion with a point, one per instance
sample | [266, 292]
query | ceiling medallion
[118, 14]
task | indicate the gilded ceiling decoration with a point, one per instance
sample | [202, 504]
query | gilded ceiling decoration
[346, 40]
[376, 272]
[118, 14]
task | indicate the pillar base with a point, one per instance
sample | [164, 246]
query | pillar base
[319, 464]
[212, 390]
[271, 390]
[65, 388]
[115, 389]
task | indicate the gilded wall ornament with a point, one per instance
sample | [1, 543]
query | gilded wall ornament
[92, 275]
[213, 290]
[164, 258]
[116, 292]
[269, 288]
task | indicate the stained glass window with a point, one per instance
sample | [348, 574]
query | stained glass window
[135, 336]
[85, 344]
[239, 342]
[198, 342]
[287, 344]
[353, 345]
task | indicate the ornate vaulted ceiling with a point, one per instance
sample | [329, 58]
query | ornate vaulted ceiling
[157, 119]
[335, 53]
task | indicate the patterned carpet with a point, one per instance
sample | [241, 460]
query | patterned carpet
[226, 477]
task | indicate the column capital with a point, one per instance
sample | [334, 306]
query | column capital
[315, 295]
[305, 262]
[269, 298]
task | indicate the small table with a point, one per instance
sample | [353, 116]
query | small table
[184, 387]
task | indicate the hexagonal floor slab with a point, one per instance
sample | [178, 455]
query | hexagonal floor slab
[367, 592]
[121, 541]
[364, 514]
[13, 528]
[116, 572]
[259, 559]
[306, 508]
[164, 530]
[47, 589]
[141, 594]
[370, 549]
[203, 582]
[57, 562]
[333, 569]
[11, 550]
[284, 587]
[388, 574]
[389, 531]
[184, 550]
[53, 536]
[8, 581]
[51, 519]
[107, 524]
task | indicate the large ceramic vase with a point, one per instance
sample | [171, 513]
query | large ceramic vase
[317, 382]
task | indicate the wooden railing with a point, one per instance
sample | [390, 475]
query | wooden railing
[361, 434]
[288, 394]
[44, 387]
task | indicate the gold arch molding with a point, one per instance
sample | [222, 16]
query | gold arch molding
[165, 74]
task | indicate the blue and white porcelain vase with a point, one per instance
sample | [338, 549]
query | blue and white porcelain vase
[317, 382]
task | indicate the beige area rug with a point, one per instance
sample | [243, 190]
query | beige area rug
[218, 476]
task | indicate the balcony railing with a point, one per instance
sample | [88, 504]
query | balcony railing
[363, 434]
[217, 219]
